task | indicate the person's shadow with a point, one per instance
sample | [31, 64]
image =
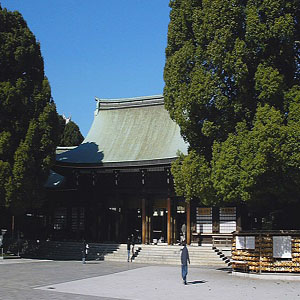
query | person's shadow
[196, 282]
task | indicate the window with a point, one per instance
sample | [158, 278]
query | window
[227, 219]
[204, 220]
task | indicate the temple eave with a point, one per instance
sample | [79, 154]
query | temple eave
[119, 164]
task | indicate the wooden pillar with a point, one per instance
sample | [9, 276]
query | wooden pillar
[188, 223]
[144, 223]
[169, 225]
[174, 237]
[174, 221]
[149, 227]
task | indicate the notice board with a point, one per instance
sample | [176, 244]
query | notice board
[282, 246]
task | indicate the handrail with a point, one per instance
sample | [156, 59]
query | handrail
[225, 240]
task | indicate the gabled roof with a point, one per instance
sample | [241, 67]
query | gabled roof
[128, 131]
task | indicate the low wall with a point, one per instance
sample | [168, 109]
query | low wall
[267, 251]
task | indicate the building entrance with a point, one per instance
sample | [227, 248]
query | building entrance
[159, 229]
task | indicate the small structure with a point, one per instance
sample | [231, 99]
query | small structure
[266, 251]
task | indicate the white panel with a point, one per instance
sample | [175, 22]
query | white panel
[250, 242]
[227, 227]
[240, 242]
[204, 220]
[245, 242]
[282, 246]
[227, 219]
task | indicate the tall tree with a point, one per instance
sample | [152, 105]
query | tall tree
[29, 128]
[229, 65]
[70, 133]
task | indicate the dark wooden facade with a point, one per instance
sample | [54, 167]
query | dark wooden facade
[117, 202]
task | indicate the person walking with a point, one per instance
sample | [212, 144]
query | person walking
[184, 260]
[132, 243]
[128, 248]
[85, 251]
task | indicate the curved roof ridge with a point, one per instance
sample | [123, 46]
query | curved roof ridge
[104, 104]
[130, 98]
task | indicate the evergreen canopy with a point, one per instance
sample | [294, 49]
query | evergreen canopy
[29, 128]
[70, 133]
[232, 83]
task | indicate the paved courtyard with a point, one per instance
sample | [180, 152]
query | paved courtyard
[33, 279]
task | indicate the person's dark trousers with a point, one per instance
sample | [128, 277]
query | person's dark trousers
[184, 271]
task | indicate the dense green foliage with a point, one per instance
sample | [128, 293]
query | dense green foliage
[232, 83]
[29, 127]
[70, 134]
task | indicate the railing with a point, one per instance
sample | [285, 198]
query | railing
[222, 240]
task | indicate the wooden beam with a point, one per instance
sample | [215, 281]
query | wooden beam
[144, 224]
[174, 221]
[174, 231]
[188, 223]
[150, 214]
[169, 225]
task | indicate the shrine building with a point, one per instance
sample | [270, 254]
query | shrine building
[118, 181]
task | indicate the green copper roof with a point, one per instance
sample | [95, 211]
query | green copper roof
[128, 130]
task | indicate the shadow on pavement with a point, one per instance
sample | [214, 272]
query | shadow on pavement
[196, 282]
[228, 270]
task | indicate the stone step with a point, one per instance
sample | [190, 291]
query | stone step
[204, 263]
[171, 255]
[162, 260]
[176, 249]
[173, 258]
[157, 254]
[178, 253]
[154, 254]
[207, 256]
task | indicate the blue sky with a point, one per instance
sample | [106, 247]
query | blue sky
[108, 49]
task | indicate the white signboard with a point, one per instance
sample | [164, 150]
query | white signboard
[282, 246]
[250, 242]
[240, 242]
[245, 242]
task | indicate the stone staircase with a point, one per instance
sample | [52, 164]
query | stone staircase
[203, 255]
[165, 254]
[121, 253]
[146, 254]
